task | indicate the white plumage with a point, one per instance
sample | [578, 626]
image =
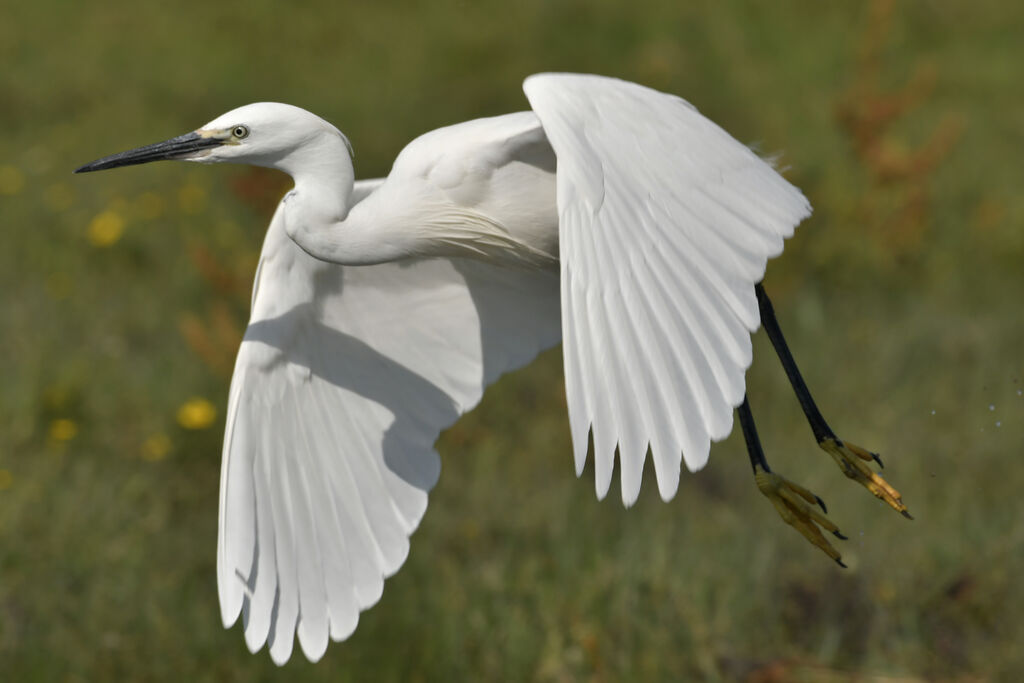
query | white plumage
[666, 223]
[612, 216]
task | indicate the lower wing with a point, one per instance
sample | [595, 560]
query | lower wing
[344, 380]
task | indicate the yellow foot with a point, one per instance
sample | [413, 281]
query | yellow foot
[795, 505]
[852, 460]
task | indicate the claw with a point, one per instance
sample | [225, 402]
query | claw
[821, 503]
[852, 460]
[795, 505]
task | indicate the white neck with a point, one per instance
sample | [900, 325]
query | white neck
[317, 211]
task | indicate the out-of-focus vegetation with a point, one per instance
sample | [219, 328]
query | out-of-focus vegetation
[125, 294]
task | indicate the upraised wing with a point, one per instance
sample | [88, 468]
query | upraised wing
[344, 380]
[665, 225]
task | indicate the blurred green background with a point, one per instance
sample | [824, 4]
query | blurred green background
[125, 294]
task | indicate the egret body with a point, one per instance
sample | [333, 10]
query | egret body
[612, 217]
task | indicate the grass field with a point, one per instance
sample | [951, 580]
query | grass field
[125, 295]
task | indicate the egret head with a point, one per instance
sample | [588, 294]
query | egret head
[263, 134]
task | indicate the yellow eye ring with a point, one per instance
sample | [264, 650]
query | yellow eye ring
[240, 132]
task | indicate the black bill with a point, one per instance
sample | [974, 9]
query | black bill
[175, 148]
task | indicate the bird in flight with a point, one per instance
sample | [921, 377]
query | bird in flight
[611, 217]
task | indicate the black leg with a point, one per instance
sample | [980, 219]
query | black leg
[754, 449]
[849, 457]
[818, 425]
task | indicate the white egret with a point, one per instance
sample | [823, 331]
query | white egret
[613, 217]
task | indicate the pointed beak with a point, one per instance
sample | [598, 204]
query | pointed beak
[181, 147]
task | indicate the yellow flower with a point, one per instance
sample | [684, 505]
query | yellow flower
[12, 180]
[6, 479]
[63, 429]
[106, 228]
[196, 413]
[156, 447]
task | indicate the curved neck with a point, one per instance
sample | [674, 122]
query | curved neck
[317, 212]
[324, 176]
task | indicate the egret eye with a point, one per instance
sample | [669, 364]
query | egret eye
[240, 132]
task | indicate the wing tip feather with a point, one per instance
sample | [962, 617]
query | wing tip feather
[313, 639]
